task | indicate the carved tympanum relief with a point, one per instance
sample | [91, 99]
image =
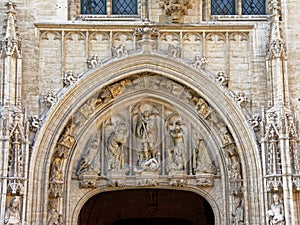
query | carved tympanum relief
[146, 138]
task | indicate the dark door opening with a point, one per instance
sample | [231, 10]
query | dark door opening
[146, 207]
[153, 221]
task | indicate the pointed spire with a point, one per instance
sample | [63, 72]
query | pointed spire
[10, 42]
[10, 27]
[275, 9]
[277, 48]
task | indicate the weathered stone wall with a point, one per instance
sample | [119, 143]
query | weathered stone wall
[292, 35]
[240, 56]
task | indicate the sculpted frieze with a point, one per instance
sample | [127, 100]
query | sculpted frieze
[149, 140]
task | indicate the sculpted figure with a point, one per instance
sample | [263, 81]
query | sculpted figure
[115, 148]
[176, 159]
[275, 215]
[235, 168]
[90, 161]
[12, 215]
[54, 218]
[146, 131]
[56, 173]
[225, 136]
[238, 214]
[201, 159]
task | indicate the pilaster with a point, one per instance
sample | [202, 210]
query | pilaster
[14, 133]
[277, 126]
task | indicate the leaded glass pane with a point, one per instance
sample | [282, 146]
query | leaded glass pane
[124, 7]
[222, 7]
[253, 7]
[93, 7]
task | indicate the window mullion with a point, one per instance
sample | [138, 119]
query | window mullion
[109, 7]
[238, 6]
[206, 10]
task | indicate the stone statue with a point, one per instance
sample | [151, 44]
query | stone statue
[54, 218]
[90, 161]
[225, 136]
[238, 214]
[235, 168]
[12, 214]
[275, 215]
[176, 158]
[146, 130]
[201, 160]
[56, 173]
[115, 148]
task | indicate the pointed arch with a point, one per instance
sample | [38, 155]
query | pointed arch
[98, 78]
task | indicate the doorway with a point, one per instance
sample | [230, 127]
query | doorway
[146, 207]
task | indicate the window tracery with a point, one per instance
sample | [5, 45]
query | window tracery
[238, 7]
[105, 7]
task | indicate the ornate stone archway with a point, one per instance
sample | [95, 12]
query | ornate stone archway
[174, 95]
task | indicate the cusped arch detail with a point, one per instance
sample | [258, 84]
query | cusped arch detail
[111, 74]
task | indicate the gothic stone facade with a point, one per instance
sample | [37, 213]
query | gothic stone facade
[170, 98]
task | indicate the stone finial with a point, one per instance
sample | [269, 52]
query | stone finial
[176, 8]
[10, 26]
[10, 42]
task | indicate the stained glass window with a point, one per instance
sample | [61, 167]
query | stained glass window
[253, 7]
[124, 7]
[93, 7]
[222, 7]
